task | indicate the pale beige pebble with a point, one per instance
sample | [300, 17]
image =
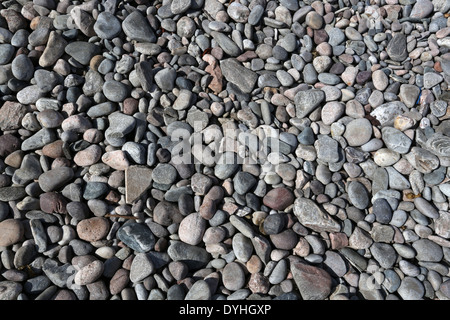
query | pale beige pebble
[11, 232]
[443, 33]
[93, 135]
[89, 273]
[403, 166]
[403, 123]
[116, 159]
[385, 157]
[302, 249]
[380, 80]
[93, 229]
[349, 75]
[88, 156]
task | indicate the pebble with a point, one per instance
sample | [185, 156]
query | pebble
[319, 131]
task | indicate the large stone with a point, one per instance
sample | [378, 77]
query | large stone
[307, 101]
[312, 216]
[236, 73]
[137, 236]
[136, 27]
[313, 283]
[396, 48]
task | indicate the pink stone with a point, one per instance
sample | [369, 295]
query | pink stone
[116, 160]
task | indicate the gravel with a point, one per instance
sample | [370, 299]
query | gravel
[213, 150]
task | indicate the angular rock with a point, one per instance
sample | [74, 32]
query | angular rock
[312, 216]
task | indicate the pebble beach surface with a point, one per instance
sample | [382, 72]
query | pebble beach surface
[224, 150]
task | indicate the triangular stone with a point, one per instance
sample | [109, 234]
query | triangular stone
[137, 181]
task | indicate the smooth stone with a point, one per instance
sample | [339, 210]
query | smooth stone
[278, 198]
[396, 140]
[396, 48]
[12, 232]
[107, 26]
[55, 178]
[82, 51]
[136, 27]
[358, 195]
[358, 132]
[426, 208]
[193, 256]
[411, 289]
[427, 250]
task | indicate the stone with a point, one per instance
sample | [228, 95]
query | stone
[358, 132]
[107, 26]
[93, 229]
[55, 179]
[422, 9]
[396, 48]
[307, 101]
[136, 27]
[192, 229]
[11, 115]
[314, 283]
[138, 179]
[312, 216]
[236, 73]
[278, 198]
[137, 236]
[358, 194]
[11, 232]
[82, 51]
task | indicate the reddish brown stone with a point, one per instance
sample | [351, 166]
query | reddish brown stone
[259, 283]
[119, 281]
[278, 198]
[53, 150]
[9, 144]
[93, 229]
[130, 106]
[11, 114]
[338, 240]
[52, 202]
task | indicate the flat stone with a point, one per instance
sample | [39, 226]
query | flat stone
[93, 229]
[192, 229]
[411, 289]
[82, 51]
[426, 208]
[396, 140]
[422, 9]
[193, 256]
[358, 194]
[358, 132]
[138, 180]
[107, 26]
